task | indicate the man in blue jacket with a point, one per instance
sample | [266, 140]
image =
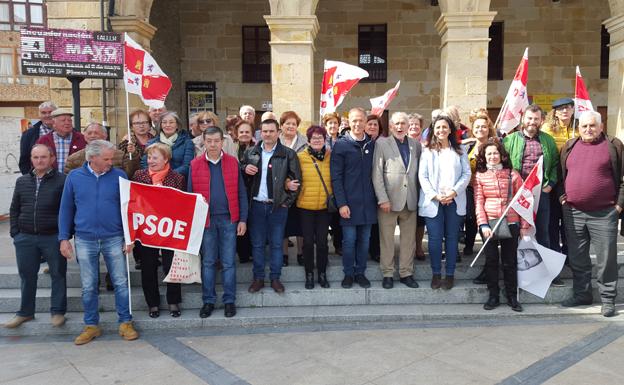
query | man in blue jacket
[90, 210]
[351, 174]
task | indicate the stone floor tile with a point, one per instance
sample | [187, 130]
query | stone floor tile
[66, 375]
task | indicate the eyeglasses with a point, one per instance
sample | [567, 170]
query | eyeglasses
[317, 138]
[205, 121]
[140, 123]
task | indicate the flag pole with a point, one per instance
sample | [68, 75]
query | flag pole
[129, 285]
[128, 122]
[575, 106]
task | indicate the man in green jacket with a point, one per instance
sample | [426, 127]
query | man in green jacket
[525, 146]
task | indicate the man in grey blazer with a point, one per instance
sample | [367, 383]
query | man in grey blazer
[395, 178]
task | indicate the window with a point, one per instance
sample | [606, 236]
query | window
[373, 51]
[256, 55]
[604, 53]
[17, 13]
[495, 51]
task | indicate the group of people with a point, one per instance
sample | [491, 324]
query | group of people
[356, 177]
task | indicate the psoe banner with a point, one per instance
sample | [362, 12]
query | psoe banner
[162, 217]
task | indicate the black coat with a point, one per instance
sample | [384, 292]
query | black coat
[27, 141]
[33, 213]
[284, 164]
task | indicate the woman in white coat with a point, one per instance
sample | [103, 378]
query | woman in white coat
[444, 174]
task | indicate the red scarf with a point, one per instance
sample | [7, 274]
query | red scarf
[159, 176]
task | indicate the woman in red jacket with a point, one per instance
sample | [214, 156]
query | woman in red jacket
[158, 173]
[495, 185]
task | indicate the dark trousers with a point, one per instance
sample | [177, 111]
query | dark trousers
[243, 247]
[149, 275]
[556, 228]
[598, 228]
[508, 256]
[28, 251]
[315, 225]
[374, 247]
[336, 230]
[471, 219]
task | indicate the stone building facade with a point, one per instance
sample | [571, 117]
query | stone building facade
[439, 52]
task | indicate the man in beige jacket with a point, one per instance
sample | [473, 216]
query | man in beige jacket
[395, 178]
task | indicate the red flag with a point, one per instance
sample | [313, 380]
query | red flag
[143, 76]
[517, 99]
[526, 201]
[581, 96]
[380, 103]
[177, 225]
[338, 79]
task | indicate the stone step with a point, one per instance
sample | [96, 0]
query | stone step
[305, 315]
[9, 278]
[465, 292]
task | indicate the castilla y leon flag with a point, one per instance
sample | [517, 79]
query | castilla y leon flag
[581, 96]
[143, 76]
[517, 99]
[338, 79]
[380, 103]
[526, 201]
[162, 217]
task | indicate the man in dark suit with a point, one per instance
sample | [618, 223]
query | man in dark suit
[30, 136]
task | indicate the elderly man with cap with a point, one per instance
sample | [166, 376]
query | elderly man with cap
[592, 195]
[63, 141]
[30, 136]
[559, 124]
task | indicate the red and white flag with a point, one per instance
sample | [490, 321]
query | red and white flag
[143, 76]
[162, 217]
[338, 79]
[581, 96]
[380, 103]
[517, 98]
[526, 200]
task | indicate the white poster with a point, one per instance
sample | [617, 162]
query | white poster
[537, 266]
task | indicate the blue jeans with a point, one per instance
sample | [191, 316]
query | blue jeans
[88, 255]
[267, 224]
[219, 242]
[446, 224]
[29, 249]
[542, 221]
[355, 241]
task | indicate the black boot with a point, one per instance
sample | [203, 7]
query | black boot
[300, 259]
[322, 280]
[309, 283]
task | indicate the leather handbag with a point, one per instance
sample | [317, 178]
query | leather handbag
[332, 207]
[503, 231]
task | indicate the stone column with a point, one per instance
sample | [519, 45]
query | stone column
[464, 30]
[292, 59]
[615, 102]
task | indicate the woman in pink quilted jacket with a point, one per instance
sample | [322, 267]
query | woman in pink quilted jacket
[495, 185]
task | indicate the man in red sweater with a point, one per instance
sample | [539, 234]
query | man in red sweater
[63, 141]
[592, 195]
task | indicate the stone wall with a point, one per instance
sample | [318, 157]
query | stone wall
[560, 36]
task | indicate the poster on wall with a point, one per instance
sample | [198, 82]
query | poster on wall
[200, 97]
[67, 52]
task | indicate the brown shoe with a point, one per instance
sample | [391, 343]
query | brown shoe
[57, 320]
[127, 332]
[88, 334]
[448, 282]
[436, 281]
[256, 286]
[420, 257]
[277, 286]
[17, 321]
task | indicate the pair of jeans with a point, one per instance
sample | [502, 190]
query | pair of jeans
[598, 228]
[542, 220]
[355, 242]
[315, 225]
[29, 249]
[267, 224]
[88, 256]
[219, 243]
[149, 275]
[445, 225]
[509, 257]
